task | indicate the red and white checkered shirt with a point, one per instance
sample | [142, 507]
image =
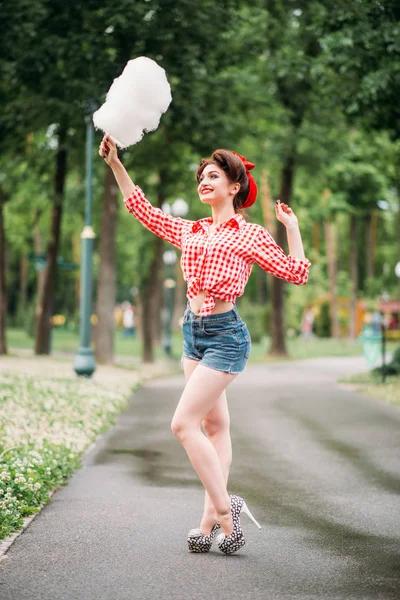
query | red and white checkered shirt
[220, 264]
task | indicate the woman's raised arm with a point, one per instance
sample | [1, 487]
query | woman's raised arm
[293, 268]
[166, 226]
[108, 151]
[286, 216]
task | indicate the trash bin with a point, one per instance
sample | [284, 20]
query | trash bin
[371, 344]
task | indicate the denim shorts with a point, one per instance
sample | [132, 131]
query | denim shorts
[220, 341]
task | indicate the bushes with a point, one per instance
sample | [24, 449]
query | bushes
[393, 368]
[27, 477]
[322, 323]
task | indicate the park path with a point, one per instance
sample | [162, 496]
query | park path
[318, 465]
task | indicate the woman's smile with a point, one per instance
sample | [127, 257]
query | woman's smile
[206, 190]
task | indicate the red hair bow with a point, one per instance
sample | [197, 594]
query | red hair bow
[252, 195]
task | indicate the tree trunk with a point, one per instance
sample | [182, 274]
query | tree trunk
[3, 286]
[268, 211]
[278, 341]
[157, 308]
[353, 276]
[261, 287]
[331, 256]
[372, 226]
[45, 304]
[316, 237]
[180, 296]
[139, 314]
[106, 289]
[397, 184]
[150, 306]
[23, 287]
[76, 253]
[38, 247]
[152, 291]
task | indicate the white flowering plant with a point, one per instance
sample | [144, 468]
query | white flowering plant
[45, 426]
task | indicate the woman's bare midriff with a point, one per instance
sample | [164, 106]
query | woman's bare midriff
[220, 306]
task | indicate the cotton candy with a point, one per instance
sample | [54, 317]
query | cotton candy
[135, 102]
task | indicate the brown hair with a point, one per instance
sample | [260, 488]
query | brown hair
[235, 171]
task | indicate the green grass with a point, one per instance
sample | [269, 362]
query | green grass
[68, 341]
[371, 384]
[318, 347]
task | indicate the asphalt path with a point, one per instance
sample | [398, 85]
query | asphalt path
[318, 465]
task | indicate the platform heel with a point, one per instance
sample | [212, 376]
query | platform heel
[197, 542]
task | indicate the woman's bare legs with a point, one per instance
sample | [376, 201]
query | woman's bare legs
[216, 425]
[199, 397]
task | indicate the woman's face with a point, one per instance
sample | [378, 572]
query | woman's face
[214, 185]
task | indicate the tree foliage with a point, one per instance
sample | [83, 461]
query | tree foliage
[317, 82]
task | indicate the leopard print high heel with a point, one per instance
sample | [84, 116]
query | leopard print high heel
[197, 542]
[231, 543]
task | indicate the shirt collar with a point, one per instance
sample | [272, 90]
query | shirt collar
[237, 221]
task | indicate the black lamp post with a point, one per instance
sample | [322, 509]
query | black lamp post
[85, 364]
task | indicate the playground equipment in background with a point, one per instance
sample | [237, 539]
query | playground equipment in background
[389, 311]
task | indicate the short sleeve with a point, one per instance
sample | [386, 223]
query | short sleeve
[167, 227]
[270, 257]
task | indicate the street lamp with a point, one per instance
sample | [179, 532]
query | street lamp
[383, 204]
[179, 208]
[85, 364]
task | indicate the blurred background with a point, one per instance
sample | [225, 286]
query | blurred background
[307, 90]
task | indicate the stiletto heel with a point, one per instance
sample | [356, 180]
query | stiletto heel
[231, 543]
[197, 542]
[246, 510]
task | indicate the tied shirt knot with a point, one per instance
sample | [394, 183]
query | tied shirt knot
[209, 300]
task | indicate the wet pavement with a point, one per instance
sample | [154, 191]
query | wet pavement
[318, 465]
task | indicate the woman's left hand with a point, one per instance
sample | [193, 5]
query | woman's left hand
[285, 215]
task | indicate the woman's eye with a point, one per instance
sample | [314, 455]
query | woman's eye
[212, 176]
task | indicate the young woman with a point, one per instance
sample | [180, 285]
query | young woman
[217, 258]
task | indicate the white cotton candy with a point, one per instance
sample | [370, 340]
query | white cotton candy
[135, 102]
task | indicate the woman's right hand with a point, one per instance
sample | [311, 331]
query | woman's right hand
[108, 150]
